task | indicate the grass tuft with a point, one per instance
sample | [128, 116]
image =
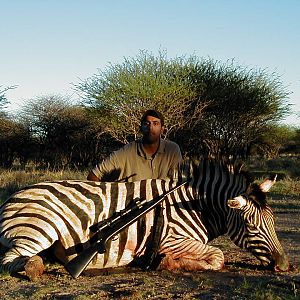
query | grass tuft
[12, 181]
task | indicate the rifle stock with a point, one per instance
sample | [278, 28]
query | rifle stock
[78, 264]
[119, 222]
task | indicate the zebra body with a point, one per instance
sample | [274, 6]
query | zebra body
[35, 218]
[59, 214]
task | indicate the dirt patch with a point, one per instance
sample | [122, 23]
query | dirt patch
[242, 278]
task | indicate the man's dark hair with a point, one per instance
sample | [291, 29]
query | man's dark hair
[153, 113]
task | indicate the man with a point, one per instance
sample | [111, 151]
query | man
[149, 157]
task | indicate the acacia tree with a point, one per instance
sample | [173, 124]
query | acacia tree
[80, 137]
[40, 116]
[13, 135]
[244, 106]
[64, 133]
[3, 99]
[281, 139]
[214, 109]
[120, 94]
[14, 142]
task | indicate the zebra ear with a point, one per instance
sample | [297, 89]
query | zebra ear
[267, 184]
[237, 202]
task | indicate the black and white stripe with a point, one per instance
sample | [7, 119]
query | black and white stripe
[52, 214]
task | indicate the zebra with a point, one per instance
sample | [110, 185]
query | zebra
[56, 217]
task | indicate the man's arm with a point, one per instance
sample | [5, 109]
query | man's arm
[110, 168]
[176, 160]
[91, 176]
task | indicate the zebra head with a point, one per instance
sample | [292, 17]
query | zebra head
[256, 226]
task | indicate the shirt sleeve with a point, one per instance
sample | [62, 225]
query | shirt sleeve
[110, 168]
[176, 159]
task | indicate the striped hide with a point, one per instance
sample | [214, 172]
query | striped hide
[217, 200]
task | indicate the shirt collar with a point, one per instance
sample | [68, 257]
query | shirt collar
[141, 151]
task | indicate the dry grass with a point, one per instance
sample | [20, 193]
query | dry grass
[242, 277]
[12, 181]
[287, 187]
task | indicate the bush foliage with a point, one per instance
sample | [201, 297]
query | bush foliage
[211, 109]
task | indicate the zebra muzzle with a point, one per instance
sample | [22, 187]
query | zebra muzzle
[281, 263]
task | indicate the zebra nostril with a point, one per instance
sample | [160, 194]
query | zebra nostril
[281, 263]
[237, 202]
[282, 268]
[277, 269]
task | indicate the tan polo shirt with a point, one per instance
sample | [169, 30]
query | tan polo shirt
[132, 163]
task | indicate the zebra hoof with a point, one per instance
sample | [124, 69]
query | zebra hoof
[34, 267]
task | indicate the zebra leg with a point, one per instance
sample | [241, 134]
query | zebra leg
[12, 261]
[206, 258]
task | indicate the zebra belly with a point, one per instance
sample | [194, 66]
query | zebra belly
[126, 246]
[112, 259]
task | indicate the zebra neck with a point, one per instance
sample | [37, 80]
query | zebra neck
[214, 214]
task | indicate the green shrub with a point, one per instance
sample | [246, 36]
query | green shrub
[284, 167]
[289, 165]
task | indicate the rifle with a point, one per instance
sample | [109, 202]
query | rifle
[107, 229]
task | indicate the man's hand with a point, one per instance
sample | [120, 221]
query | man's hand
[92, 177]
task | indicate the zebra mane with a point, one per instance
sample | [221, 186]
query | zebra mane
[257, 196]
[189, 168]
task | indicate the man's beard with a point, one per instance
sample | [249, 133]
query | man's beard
[150, 138]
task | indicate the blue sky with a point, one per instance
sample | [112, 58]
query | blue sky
[48, 45]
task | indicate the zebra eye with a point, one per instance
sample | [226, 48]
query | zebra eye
[251, 226]
[245, 196]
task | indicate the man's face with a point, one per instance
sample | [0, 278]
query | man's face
[151, 129]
